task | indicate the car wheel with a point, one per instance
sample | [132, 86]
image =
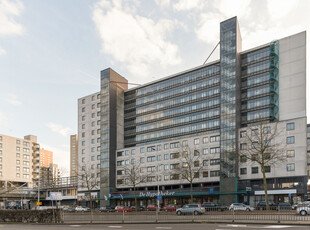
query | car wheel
[248, 210]
[303, 213]
[179, 213]
[166, 210]
[195, 213]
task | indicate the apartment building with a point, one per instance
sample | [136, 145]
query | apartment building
[46, 157]
[19, 161]
[206, 111]
[73, 155]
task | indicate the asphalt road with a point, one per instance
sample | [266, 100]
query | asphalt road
[151, 227]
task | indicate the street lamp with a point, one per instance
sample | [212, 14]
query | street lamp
[158, 186]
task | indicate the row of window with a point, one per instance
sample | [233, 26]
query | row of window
[254, 170]
[25, 150]
[93, 124]
[24, 169]
[266, 130]
[93, 106]
[93, 158]
[25, 176]
[92, 98]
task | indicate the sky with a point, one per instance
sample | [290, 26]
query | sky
[52, 51]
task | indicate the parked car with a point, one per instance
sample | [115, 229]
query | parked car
[262, 205]
[139, 208]
[151, 207]
[122, 208]
[211, 206]
[190, 209]
[170, 208]
[284, 206]
[303, 210]
[106, 209]
[81, 209]
[300, 204]
[240, 207]
[68, 209]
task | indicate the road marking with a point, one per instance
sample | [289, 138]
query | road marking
[115, 226]
[237, 225]
[163, 227]
[75, 225]
[277, 226]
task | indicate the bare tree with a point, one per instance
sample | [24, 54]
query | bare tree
[262, 147]
[89, 180]
[189, 166]
[133, 176]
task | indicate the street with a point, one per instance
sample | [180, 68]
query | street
[151, 227]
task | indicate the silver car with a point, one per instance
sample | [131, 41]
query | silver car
[191, 209]
[240, 207]
[303, 210]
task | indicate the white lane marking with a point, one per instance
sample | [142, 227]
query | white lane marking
[163, 227]
[237, 225]
[115, 226]
[75, 225]
[277, 226]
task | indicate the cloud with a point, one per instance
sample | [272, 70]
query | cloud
[183, 5]
[2, 51]
[13, 99]
[9, 10]
[228, 8]
[138, 42]
[59, 129]
[163, 3]
[279, 8]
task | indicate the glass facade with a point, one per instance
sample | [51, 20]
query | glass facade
[178, 106]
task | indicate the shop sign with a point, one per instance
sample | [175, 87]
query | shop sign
[154, 194]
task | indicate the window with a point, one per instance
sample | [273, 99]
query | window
[205, 151]
[151, 159]
[215, 161]
[254, 157]
[174, 177]
[141, 170]
[205, 162]
[174, 166]
[18, 155]
[133, 161]
[166, 167]
[158, 157]
[243, 159]
[196, 163]
[142, 160]
[17, 161]
[215, 150]
[196, 153]
[93, 132]
[214, 173]
[83, 143]
[158, 147]
[142, 150]
[126, 162]
[98, 148]
[196, 141]
[151, 169]
[17, 168]
[83, 159]
[242, 134]
[196, 174]
[254, 170]
[92, 158]
[98, 105]
[205, 140]
[83, 126]
[98, 96]
[267, 169]
[83, 101]
[93, 141]
[126, 152]
[290, 153]
[151, 149]
[83, 109]
[98, 157]
[174, 155]
[166, 146]
[254, 144]
[215, 139]
[120, 172]
[133, 152]
[17, 174]
[290, 140]
[243, 146]
[83, 151]
[254, 132]
[290, 167]
[151, 179]
[166, 177]
[93, 115]
[83, 118]
[174, 145]
[83, 134]
[17, 149]
[267, 130]
[166, 157]
[205, 174]
[120, 163]
[243, 171]
[290, 126]
[93, 106]
[184, 164]
[17, 142]
[185, 143]
[185, 154]
[98, 131]
[93, 124]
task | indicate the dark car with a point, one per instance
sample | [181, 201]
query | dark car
[210, 206]
[262, 205]
[106, 209]
[284, 206]
[140, 208]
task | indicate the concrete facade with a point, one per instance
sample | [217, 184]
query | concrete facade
[73, 155]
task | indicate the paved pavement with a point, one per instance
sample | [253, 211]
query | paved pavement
[151, 227]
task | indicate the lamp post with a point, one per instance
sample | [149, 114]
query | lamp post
[158, 186]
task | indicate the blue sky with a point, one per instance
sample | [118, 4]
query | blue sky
[52, 51]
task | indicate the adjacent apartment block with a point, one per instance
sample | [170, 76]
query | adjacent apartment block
[205, 112]
[19, 161]
[73, 155]
[46, 157]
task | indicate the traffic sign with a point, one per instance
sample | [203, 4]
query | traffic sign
[290, 195]
[39, 203]
[211, 190]
[159, 197]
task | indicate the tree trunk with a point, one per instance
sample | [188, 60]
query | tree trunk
[91, 208]
[265, 186]
[134, 191]
[191, 191]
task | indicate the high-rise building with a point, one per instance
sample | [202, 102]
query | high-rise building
[73, 155]
[209, 109]
[46, 157]
[19, 161]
